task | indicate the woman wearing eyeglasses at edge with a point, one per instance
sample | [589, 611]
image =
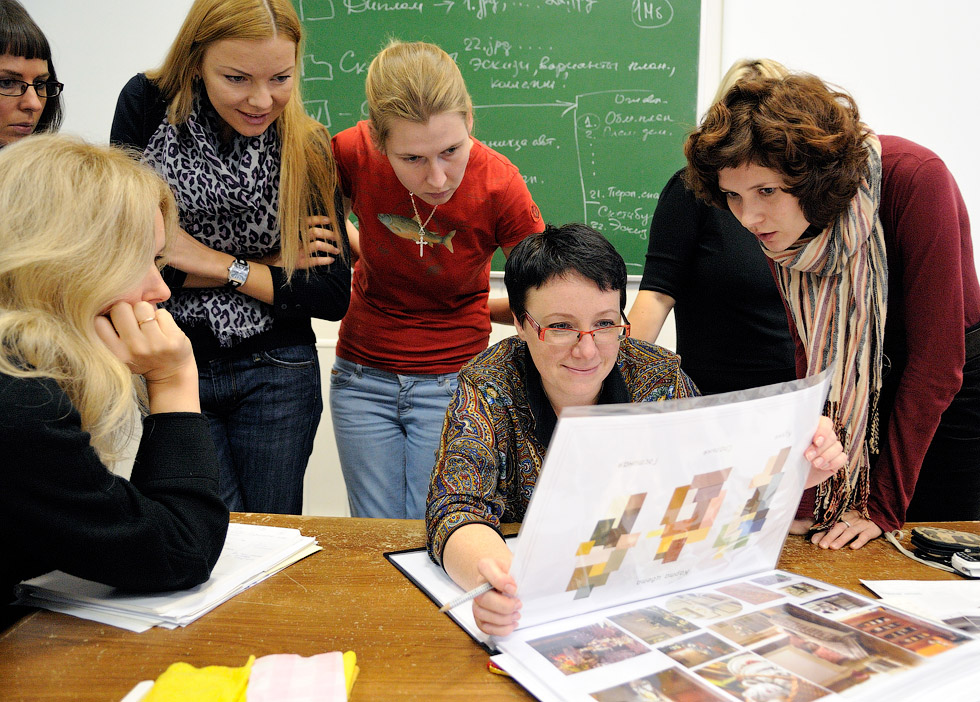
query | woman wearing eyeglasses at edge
[29, 89]
[567, 291]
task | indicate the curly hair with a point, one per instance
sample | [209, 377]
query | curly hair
[797, 126]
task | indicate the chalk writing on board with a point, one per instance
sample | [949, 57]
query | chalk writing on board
[591, 99]
[652, 15]
[319, 10]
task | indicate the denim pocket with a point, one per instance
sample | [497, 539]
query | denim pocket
[341, 378]
[448, 384]
[293, 357]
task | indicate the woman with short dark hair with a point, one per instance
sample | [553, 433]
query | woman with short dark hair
[567, 290]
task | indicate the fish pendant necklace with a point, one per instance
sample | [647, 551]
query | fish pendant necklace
[422, 226]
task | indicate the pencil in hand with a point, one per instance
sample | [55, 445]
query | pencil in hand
[466, 597]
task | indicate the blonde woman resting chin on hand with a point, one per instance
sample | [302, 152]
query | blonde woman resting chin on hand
[84, 346]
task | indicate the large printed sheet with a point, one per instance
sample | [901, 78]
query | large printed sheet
[639, 500]
[645, 567]
[767, 637]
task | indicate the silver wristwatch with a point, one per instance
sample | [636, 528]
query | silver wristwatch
[237, 273]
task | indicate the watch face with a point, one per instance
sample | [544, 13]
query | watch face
[237, 273]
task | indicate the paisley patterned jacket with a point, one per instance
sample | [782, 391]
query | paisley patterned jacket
[499, 424]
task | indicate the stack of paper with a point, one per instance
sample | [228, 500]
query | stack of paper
[251, 554]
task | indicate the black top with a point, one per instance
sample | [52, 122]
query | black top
[324, 293]
[732, 331]
[61, 509]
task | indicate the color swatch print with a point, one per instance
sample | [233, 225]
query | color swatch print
[689, 517]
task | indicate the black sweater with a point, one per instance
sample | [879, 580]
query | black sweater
[731, 323]
[62, 509]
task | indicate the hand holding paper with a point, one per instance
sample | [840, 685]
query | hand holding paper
[497, 611]
[826, 454]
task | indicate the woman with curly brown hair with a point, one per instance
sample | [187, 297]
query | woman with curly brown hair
[869, 240]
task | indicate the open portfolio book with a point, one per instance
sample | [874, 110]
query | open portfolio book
[645, 565]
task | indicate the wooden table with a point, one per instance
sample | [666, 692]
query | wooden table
[346, 597]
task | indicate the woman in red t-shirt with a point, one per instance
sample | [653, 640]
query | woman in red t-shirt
[433, 204]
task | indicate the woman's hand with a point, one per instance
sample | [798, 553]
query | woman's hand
[826, 456]
[850, 528]
[825, 453]
[196, 258]
[321, 251]
[151, 344]
[496, 612]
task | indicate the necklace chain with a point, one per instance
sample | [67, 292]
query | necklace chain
[422, 242]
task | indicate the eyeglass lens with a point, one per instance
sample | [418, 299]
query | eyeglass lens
[15, 88]
[604, 335]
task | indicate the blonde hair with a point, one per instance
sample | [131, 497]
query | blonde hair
[308, 177]
[749, 69]
[413, 81]
[77, 234]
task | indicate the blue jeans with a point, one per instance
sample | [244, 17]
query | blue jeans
[387, 428]
[263, 410]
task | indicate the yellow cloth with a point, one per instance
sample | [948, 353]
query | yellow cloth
[182, 682]
[350, 670]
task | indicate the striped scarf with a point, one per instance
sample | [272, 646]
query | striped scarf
[835, 285]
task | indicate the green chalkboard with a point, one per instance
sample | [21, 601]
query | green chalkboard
[591, 99]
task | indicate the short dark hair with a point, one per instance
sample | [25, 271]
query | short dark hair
[20, 36]
[556, 252]
[797, 126]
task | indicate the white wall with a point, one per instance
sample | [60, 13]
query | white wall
[911, 67]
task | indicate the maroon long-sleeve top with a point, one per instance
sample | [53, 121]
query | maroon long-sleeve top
[933, 297]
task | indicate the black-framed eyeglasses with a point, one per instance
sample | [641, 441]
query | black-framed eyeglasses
[11, 87]
[565, 336]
